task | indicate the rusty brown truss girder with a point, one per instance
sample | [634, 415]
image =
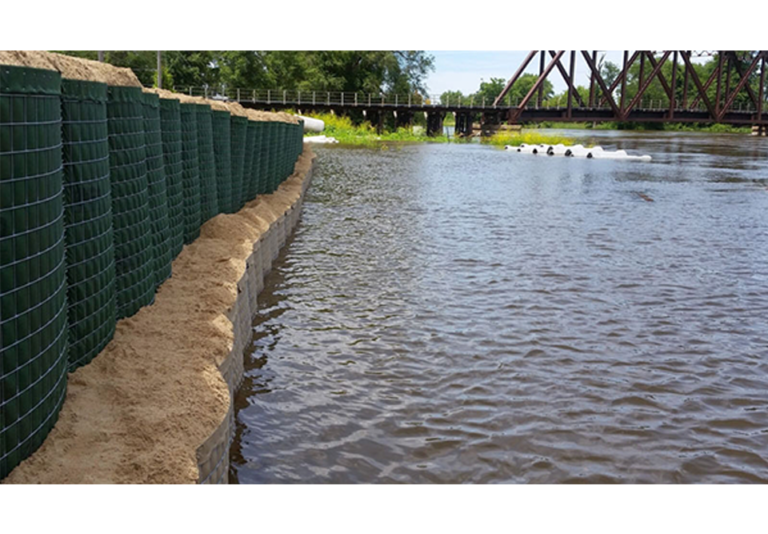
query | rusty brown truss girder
[730, 67]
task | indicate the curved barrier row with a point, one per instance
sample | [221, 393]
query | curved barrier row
[100, 187]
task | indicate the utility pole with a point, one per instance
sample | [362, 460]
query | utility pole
[101, 56]
[159, 70]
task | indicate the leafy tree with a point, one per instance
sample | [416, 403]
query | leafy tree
[521, 88]
[187, 69]
[449, 97]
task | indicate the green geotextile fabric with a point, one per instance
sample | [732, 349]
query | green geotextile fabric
[274, 156]
[170, 127]
[222, 150]
[258, 157]
[33, 288]
[285, 151]
[239, 129]
[299, 139]
[134, 257]
[191, 172]
[209, 200]
[156, 183]
[249, 182]
[90, 249]
[264, 156]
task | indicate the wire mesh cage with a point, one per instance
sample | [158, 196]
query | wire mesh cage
[265, 155]
[156, 184]
[134, 258]
[33, 289]
[209, 200]
[222, 151]
[239, 129]
[170, 130]
[90, 252]
[249, 183]
[190, 175]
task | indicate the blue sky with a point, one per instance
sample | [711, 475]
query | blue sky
[463, 70]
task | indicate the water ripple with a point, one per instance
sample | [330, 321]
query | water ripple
[451, 314]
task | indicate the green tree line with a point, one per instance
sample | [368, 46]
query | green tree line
[398, 71]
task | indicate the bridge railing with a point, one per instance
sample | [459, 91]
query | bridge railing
[296, 98]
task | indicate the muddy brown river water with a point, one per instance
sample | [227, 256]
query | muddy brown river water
[459, 314]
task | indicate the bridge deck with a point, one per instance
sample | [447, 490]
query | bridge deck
[645, 111]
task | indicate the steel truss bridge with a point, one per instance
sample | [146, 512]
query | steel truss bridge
[686, 97]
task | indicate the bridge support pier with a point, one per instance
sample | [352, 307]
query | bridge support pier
[376, 118]
[463, 124]
[490, 123]
[435, 123]
[403, 119]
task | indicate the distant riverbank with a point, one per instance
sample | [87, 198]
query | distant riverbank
[347, 133]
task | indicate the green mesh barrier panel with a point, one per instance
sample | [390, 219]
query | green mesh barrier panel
[209, 200]
[222, 150]
[33, 288]
[239, 128]
[90, 252]
[134, 257]
[156, 187]
[191, 172]
[171, 130]
[266, 147]
[249, 182]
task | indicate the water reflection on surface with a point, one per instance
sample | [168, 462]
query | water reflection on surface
[455, 313]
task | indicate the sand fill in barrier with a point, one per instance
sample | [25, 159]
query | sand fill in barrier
[73, 68]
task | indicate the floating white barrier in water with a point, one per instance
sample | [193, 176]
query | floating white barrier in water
[576, 151]
[320, 139]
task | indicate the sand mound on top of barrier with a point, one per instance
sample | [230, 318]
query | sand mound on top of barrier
[141, 409]
[233, 107]
[23, 58]
[70, 67]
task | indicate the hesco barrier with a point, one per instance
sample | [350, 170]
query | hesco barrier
[209, 200]
[191, 172]
[134, 258]
[239, 128]
[222, 150]
[274, 143]
[171, 129]
[90, 254]
[33, 291]
[249, 187]
[88, 178]
[156, 187]
[263, 162]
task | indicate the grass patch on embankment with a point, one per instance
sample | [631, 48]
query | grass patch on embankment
[528, 137]
[347, 133]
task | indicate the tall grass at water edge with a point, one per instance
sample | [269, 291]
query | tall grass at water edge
[346, 133]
